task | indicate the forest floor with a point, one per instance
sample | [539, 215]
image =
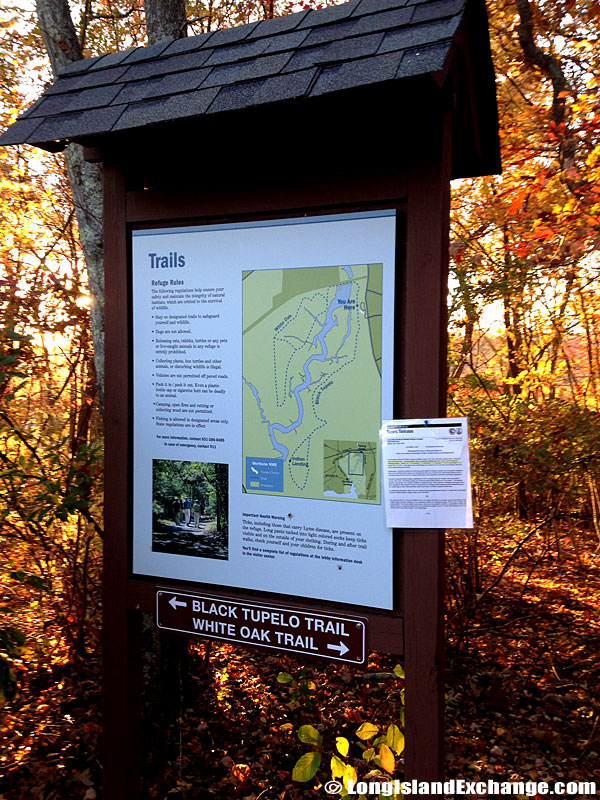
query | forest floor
[522, 703]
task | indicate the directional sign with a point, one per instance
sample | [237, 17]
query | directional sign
[291, 629]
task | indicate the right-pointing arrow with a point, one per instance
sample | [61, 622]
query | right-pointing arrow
[341, 647]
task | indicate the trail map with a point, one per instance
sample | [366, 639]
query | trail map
[312, 382]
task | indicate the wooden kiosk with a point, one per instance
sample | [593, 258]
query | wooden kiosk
[340, 113]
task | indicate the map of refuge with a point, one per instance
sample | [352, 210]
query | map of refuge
[312, 382]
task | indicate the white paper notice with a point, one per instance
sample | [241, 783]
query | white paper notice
[427, 473]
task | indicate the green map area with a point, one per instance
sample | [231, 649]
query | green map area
[312, 382]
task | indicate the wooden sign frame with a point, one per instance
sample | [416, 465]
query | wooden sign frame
[419, 191]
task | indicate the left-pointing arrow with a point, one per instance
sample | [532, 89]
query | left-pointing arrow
[174, 602]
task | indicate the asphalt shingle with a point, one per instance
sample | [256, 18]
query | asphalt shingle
[278, 25]
[188, 43]
[242, 71]
[146, 53]
[305, 54]
[436, 10]
[30, 112]
[86, 80]
[372, 6]
[308, 57]
[326, 15]
[246, 95]
[75, 67]
[233, 53]
[423, 59]
[80, 123]
[230, 35]
[21, 130]
[360, 25]
[346, 50]
[161, 86]
[287, 41]
[164, 66]
[96, 97]
[151, 112]
[110, 59]
[420, 34]
[358, 73]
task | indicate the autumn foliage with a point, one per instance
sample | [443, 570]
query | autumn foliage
[524, 366]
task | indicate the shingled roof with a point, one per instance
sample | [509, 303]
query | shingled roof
[302, 55]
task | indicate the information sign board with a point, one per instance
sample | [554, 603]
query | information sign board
[262, 370]
[294, 630]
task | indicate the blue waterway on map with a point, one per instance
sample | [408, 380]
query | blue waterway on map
[257, 398]
[342, 296]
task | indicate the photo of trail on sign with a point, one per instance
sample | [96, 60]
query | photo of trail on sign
[312, 382]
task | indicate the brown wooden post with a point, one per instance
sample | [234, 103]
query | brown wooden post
[422, 361]
[122, 627]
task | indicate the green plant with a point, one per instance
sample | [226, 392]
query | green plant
[378, 751]
[301, 688]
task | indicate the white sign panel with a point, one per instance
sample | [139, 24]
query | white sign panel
[262, 370]
[427, 473]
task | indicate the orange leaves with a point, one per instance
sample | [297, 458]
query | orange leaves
[518, 201]
[515, 310]
[241, 772]
[543, 233]
[521, 249]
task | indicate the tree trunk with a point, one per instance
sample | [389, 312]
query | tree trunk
[165, 19]
[58, 31]
[63, 47]
[86, 188]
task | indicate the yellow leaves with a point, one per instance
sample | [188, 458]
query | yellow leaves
[386, 758]
[395, 739]
[381, 752]
[342, 745]
[350, 775]
[306, 767]
[366, 731]
[338, 767]
[593, 156]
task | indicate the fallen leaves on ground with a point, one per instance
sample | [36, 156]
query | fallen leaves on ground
[523, 702]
